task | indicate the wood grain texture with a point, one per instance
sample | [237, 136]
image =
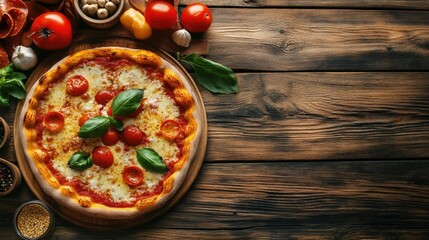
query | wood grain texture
[328, 200]
[319, 39]
[381, 4]
[313, 116]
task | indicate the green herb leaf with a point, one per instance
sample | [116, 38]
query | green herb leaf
[11, 84]
[117, 124]
[94, 127]
[150, 160]
[80, 161]
[215, 77]
[127, 102]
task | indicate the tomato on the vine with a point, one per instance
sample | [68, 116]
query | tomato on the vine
[160, 15]
[51, 31]
[196, 18]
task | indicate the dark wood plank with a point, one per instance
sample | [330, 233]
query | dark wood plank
[319, 39]
[383, 4]
[345, 200]
[314, 116]
[296, 116]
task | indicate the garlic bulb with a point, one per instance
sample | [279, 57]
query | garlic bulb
[181, 37]
[24, 58]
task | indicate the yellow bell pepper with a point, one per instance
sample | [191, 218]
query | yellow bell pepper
[135, 22]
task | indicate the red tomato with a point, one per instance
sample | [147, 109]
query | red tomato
[170, 129]
[77, 85]
[160, 15]
[102, 156]
[196, 17]
[85, 117]
[133, 176]
[51, 31]
[103, 96]
[54, 121]
[111, 137]
[132, 135]
[136, 112]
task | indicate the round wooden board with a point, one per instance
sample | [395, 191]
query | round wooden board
[90, 221]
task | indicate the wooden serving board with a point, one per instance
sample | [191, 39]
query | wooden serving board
[91, 221]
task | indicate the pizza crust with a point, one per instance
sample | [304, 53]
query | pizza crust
[65, 195]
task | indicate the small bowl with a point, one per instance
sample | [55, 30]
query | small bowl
[16, 177]
[34, 220]
[4, 132]
[100, 23]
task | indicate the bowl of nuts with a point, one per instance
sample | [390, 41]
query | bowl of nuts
[99, 13]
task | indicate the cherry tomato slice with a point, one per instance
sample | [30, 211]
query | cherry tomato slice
[85, 117]
[77, 85]
[111, 137]
[103, 96]
[196, 17]
[102, 156]
[160, 15]
[133, 176]
[54, 121]
[170, 129]
[132, 135]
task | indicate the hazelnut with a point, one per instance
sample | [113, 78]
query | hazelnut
[101, 3]
[111, 7]
[116, 1]
[102, 13]
[91, 1]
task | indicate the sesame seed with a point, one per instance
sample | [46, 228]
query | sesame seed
[33, 221]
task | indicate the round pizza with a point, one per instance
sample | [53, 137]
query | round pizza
[111, 132]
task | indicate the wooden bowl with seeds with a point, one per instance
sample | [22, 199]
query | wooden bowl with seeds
[34, 220]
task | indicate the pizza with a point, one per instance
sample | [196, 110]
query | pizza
[111, 132]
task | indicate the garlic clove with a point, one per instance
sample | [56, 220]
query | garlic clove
[24, 58]
[181, 37]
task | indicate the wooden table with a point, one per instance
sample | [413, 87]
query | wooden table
[328, 137]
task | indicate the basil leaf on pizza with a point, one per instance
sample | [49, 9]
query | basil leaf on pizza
[150, 160]
[94, 127]
[117, 124]
[80, 161]
[127, 102]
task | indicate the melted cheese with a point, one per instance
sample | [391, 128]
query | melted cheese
[158, 106]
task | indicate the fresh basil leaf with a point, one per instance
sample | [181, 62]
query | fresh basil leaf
[14, 87]
[94, 127]
[117, 124]
[215, 77]
[80, 161]
[11, 84]
[6, 70]
[150, 160]
[127, 102]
